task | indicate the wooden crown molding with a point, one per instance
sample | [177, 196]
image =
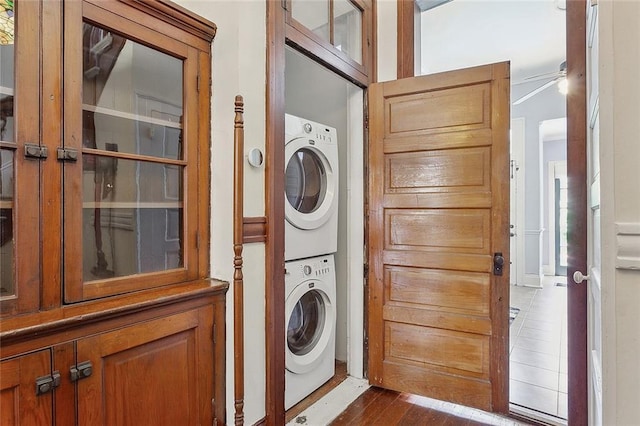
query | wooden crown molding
[177, 16]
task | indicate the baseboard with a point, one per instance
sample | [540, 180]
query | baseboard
[532, 280]
[261, 422]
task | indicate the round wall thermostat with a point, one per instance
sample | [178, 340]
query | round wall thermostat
[255, 157]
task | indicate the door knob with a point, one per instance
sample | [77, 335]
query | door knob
[498, 263]
[578, 277]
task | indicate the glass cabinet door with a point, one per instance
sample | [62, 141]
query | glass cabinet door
[128, 230]
[19, 173]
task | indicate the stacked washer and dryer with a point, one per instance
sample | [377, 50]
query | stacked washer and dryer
[311, 238]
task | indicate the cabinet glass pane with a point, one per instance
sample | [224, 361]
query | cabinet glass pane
[132, 217]
[347, 24]
[7, 281]
[132, 96]
[7, 36]
[7, 71]
[313, 14]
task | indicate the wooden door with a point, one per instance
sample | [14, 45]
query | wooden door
[438, 212]
[577, 341]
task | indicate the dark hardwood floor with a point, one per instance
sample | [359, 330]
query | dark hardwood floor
[384, 407]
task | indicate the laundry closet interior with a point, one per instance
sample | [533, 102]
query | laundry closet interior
[317, 102]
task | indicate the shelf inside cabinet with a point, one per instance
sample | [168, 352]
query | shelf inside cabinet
[132, 205]
[131, 116]
[6, 90]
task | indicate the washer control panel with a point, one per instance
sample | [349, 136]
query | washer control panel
[316, 267]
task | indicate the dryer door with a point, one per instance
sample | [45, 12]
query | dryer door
[310, 326]
[311, 185]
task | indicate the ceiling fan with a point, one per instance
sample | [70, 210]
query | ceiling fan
[559, 77]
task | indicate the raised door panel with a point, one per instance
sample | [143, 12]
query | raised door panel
[19, 403]
[158, 372]
[438, 214]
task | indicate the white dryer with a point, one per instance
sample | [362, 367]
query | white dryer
[311, 189]
[310, 307]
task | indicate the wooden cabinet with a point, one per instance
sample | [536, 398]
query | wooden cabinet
[107, 314]
[155, 365]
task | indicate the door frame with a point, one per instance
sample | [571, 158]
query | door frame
[274, 182]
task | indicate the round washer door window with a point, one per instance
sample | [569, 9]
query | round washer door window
[306, 181]
[306, 323]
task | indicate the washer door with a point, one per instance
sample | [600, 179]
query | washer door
[311, 185]
[311, 320]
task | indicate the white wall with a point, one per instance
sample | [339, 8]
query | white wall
[387, 39]
[325, 102]
[546, 105]
[338, 103]
[239, 58]
[620, 207]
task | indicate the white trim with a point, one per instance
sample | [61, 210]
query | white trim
[355, 229]
[555, 169]
[628, 246]
[332, 404]
[517, 154]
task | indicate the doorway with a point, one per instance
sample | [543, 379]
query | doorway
[536, 49]
[538, 335]
[314, 93]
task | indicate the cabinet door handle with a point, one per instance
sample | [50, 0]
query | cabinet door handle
[32, 150]
[81, 370]
[48, 383]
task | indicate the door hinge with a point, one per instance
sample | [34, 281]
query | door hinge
[35, 151]
[366, 270]
[48, 383]
[81, 370]
[197, 241]
[198, 83]
[284, 5]
[213, 333]
[67, 154]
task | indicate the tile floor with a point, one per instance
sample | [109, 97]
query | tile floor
[538, 348]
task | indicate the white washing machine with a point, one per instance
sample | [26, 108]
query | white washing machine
[311, 189]
[310, 313]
